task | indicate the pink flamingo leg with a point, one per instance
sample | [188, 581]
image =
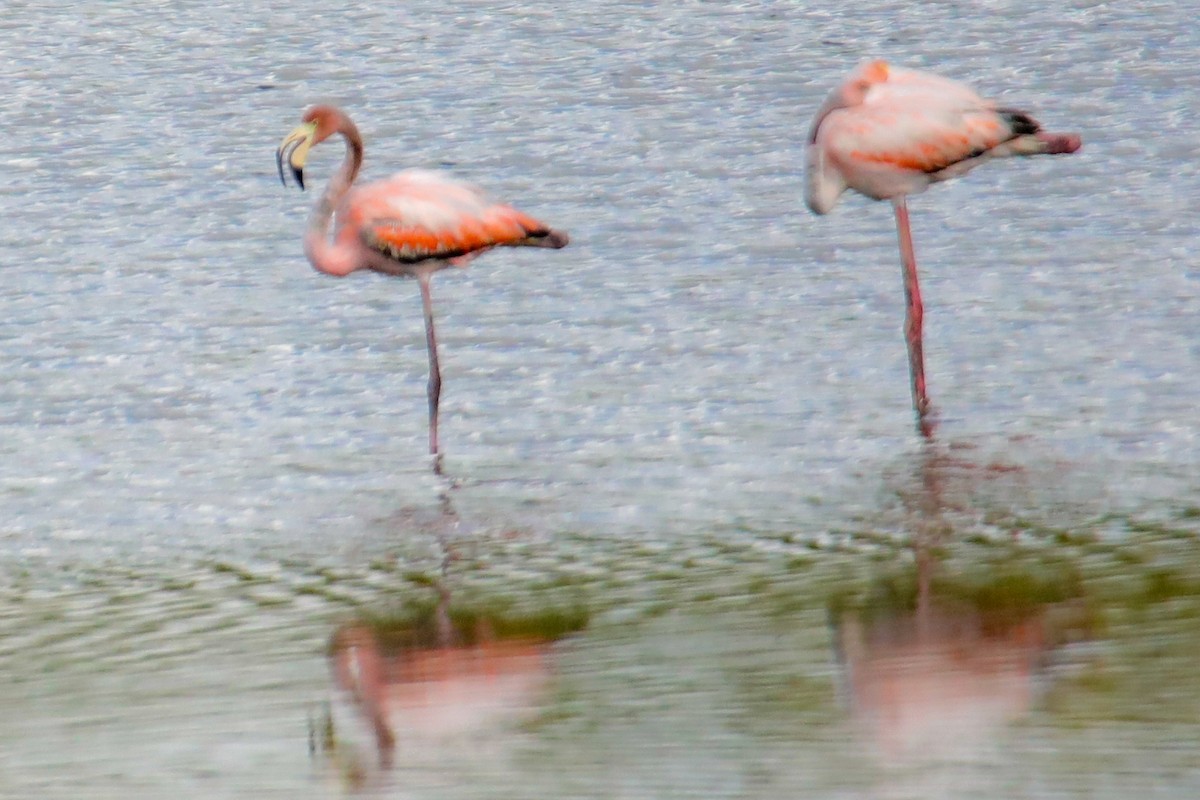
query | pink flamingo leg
[913, 319]
[435, 374]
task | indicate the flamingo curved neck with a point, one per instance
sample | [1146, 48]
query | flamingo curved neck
[327, 257]
[332, 259]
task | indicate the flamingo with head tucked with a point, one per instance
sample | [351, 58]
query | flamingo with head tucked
[411, 224]
[888, 133]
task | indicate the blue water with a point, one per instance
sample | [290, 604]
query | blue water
[705, 359]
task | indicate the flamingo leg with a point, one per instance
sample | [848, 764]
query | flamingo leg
[435, 373]
[913, 319]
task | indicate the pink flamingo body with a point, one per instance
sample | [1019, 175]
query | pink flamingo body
[412, 224]
[888, 133]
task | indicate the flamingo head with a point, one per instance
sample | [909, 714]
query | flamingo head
[854, 90]
[851, 92]
[318, 124]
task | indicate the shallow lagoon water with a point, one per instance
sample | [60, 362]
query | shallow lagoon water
[696, 416]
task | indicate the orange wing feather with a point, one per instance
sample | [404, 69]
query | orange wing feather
[926, 143]
[417, 215]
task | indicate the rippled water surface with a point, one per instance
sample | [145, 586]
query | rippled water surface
[694, 421]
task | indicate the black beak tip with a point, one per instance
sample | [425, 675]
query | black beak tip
[280, 156]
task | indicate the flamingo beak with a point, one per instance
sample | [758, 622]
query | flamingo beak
[294, 149]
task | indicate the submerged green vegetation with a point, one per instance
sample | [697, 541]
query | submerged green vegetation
[751, 617]
[414, 624]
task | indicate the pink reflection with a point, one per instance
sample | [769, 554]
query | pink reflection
[424, 697]
[937, 684]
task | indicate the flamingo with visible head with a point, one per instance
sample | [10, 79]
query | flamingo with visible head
[411, 224]
[888, 133]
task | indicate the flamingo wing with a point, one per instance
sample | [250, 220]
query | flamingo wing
[420, 215]
[911, 130]
[887, 132]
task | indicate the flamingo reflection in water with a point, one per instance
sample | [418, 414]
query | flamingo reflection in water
[935, 663]
[421, 699]
[430, 679]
